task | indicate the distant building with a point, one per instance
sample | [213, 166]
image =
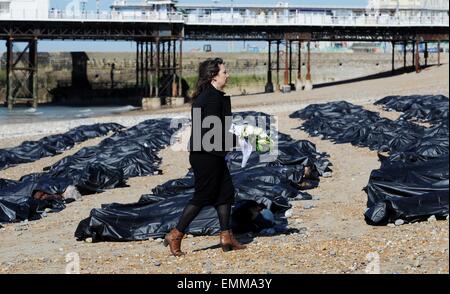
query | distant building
[367, 47]
[158, 8]
[408, 4]
[36, 9]
[207, 48]
[253, 49]
[409, 10]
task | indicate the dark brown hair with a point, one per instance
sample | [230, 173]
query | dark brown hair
[207, 70]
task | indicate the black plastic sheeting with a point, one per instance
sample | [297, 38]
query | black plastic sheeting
[343, 122]
[428, 108]
[17, 203]
[30, 151]
[412, 183]
[128, 153]
[270, 185]
[408, 187]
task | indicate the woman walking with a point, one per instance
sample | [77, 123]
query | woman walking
[212, 180]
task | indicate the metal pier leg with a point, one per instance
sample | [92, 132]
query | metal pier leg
[299, 85]
[174, 64]
[174, 55]
[290, 66]
[393, 56]
[169, 68]
[439, 52]
[163, 69]
[180, 78]
[417, 57]
[158, 56]
[146, 70]
[169, 49]
[405, 44]
[9, 62]
[151, 70]
[308, 82]
[286, 64]
[413, 53]
[269, 84]
[142, 65]
[163, 57]
[137, 64]
[33, 60]
[278, 66]
[21, 73]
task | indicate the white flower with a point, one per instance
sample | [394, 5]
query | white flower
[258, 131]
[250, 130]
[262, 142]
[263, 136]
[244, 133]
[236, 129]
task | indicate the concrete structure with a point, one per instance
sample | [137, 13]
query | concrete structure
[376, 13]
[409, 4]
[24, 9]
[157, 9]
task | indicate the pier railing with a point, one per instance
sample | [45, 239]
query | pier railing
[317, 20]
[118, 16]
[427, 18]
[64, 15]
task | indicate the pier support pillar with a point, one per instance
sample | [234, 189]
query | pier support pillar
[142, 67]
[269, 84]
[152, 70]
[9, 61]
[299, 82]
[163, 58]
[417, 57]
[393, 56]
[21, 73]
[439, 53]
[151, 103]
[286, 84]
[290, 67]
[174, 71]
[425, 54]
[147, 85]
[405, 44]
[308, 81]
[157, 66]
[33, 83]
[169, 49]
[137, 64]
[180, 75]
[277, 87]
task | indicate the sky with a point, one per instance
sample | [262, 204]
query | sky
[109, 46]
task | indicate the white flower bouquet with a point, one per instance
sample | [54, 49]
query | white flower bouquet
[251, 137]
[256, 137]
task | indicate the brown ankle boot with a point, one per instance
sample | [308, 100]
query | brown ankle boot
[173, 240]
[228, 242]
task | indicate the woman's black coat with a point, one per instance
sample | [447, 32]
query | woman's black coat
[212, 102]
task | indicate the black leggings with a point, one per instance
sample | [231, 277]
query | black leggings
[191, 211]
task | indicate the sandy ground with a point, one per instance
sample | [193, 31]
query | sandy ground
[332, 238]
